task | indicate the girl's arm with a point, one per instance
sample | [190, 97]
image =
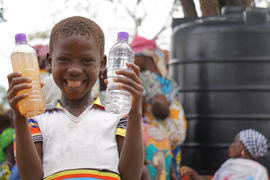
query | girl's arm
[28, 153]
[131, 150]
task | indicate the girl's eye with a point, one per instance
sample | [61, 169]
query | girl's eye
[63, 59]
[87, 60]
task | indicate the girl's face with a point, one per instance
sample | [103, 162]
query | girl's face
[76, 63]
[236, 148]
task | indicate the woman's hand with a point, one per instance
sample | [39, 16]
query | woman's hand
[186, 171]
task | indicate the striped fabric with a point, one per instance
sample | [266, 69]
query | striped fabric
[84, 174]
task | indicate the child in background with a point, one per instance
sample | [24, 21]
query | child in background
[75, 138]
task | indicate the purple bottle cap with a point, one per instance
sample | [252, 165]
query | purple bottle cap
[122, 35]
[20, 37]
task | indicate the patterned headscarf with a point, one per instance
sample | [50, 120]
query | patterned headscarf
[143, 46]
[255, 142]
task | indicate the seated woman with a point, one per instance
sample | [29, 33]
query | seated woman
[247, 146]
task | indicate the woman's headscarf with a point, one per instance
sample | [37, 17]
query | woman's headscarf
[41, 50]
[255, 142]
[143, 46]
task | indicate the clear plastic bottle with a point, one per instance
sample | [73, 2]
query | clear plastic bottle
[24, 59]
[118, 101]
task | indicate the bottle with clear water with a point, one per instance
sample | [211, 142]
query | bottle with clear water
[118, 101]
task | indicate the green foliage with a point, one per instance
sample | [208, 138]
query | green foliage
[42, 35]
[139, 22]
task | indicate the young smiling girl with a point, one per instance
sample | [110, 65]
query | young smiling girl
[75, 138]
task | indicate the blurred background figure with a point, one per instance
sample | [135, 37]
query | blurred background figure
[8, 169]
[50, 90]
[247, 146]
[154, 75]
[158, 154]
[41, 54]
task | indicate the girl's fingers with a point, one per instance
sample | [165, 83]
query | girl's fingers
[16, 88]
[129, 74]
[14, 101]
[41, 84]
[13, 75]
[134, 67]
[129, 80]
[17, 83]
[129, 84]
[17, 80]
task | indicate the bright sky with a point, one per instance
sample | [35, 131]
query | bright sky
[30, 16]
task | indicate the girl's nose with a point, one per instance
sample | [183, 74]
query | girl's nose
[74, 70]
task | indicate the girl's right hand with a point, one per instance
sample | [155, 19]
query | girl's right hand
[17, 82]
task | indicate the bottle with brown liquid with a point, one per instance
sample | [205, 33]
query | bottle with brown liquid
[24, 59]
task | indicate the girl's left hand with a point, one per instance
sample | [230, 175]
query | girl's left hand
[131, 82]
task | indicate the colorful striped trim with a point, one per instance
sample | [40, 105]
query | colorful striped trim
[87, 174]
[120, 132]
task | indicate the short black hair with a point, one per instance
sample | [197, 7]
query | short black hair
[79, 25]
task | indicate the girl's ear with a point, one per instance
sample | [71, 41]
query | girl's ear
[48, 62]
[103, 63]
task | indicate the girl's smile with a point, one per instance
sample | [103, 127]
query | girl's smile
[74, 84]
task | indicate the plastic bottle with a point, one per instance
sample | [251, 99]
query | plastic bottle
[24, 59]
[118, 101]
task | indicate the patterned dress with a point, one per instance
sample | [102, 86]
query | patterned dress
[175, 124]
[157, 145]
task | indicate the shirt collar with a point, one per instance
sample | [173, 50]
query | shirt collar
[57, 105]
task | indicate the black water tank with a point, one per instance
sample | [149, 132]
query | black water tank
[222, 65]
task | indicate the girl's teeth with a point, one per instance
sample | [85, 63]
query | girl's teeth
[74, 84]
